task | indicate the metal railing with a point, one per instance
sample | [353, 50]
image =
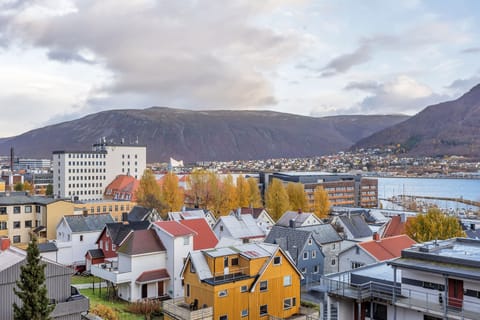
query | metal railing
[179, 309]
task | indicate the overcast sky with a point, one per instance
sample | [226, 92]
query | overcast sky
[63, 59]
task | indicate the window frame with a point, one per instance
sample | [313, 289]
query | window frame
[279, 258]
[265, 284]
[287, 280]
[265, 311]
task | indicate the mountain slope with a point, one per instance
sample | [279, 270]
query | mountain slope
[203, 135]
[448, 128]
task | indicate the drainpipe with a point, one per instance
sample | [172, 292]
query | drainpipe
[394, 294]
[445, 300]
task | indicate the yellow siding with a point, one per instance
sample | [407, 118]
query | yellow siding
[235, 301]
[115, 208]
[54, 213]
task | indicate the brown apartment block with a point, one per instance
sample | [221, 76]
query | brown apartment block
[346, 190]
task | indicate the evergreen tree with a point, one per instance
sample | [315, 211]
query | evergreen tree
[32, 290]
[49, 191]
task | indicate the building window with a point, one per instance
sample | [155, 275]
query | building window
[304, 270]
[81, 237]
[16, 209]
[357, 250]
[263, 310]
[244, 313]
[28, 223]
[3, 225]
[315, 268]
[16, 239]
[333, 262]
[356, 265]
[224, 317]
[234, 261]
[221, 228]
[187, 289]
[186, 241]
[243, 289]
[310, 242]
[16, 224]
[277, 260]
[287, 304]
[263, 285]
[305, 255]
[314, 254]
[287, 281]
[222, 293]
[3, 210]
[28, 209]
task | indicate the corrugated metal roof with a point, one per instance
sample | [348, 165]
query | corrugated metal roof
[243, 227]
[24, 199]
[88, 223]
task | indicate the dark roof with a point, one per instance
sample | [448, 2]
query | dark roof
[21, 198]
[472, 234]
[153, 276]
[356, 225]
[289, 239]
[139, 213]
[141, 241]
[90, 222]
[118, 230]
[323, 233]
[47, 247]
[96, 253]
[255, 212]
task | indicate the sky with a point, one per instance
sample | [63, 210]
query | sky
[63, 59]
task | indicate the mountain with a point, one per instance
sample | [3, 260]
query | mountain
[448, 128]
[202, 135]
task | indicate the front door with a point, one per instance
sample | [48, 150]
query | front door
[160, 288]
[455, 293]
[144, 290]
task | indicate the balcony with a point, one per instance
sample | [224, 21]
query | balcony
[429, 303]
[179, 309]
[110, 274]
[74, 305]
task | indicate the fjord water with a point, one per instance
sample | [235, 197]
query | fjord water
[449, 188]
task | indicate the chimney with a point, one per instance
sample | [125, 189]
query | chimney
[472, 226]
[4, 244]
[299, 210]
[403, 217]
[85, 212]
[238, 213]
[291, 223]
[376, 236]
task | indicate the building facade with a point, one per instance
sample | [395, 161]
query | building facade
[84, 175]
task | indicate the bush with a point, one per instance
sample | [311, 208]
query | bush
[145, 307]
[104, 312]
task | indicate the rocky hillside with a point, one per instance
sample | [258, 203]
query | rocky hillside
[203, 135]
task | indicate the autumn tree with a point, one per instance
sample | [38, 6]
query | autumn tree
[243, 192]
[149, 193]
[433, 225]
[228, 199]
[172, 194]
[31, 288]
[276, 199]
[27, 186]
[321, 203]
[203, 188]
[297, 197]
[255, 199]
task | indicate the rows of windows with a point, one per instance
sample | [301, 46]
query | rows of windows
[86, 185]
[86, 163]
[81, 178]
[89, 170]
[128, 156]
[87, 155]
[87, 192]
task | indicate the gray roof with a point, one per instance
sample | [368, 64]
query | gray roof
[356, 225]
[88, 223]
[47, 247]
[292, 240]
[323, 233]
[139, 213]
[96, 253]
[298, 217]
[21, 198]
[241, 227]
[119, 230]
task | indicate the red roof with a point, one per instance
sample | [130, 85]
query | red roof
[153, 276]
[140, 242]
[204, 238]
[121, 186]
[387, 248]
[174, 228]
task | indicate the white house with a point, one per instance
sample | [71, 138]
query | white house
[189, 213]
[140, 271]
[261, 216]
[298, 219]
[239, 226]
[76, 234]
[178, 241]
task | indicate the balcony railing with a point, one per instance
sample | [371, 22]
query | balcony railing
[110, 274]
[179, 309]
[432, 303]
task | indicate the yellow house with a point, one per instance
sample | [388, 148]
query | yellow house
[115, 207]
[248, 281]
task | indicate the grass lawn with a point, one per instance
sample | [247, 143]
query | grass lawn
[83, 279]
[119, 306]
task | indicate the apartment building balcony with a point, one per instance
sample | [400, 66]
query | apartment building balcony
[435, 304]
[178, 309]
[111, 274]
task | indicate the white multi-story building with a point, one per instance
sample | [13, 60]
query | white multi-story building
[83, 175]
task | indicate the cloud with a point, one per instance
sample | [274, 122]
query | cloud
[345, 62]
[199, 54]
[471, 50]
[402, 94]
[461, 86]
[370, 86]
